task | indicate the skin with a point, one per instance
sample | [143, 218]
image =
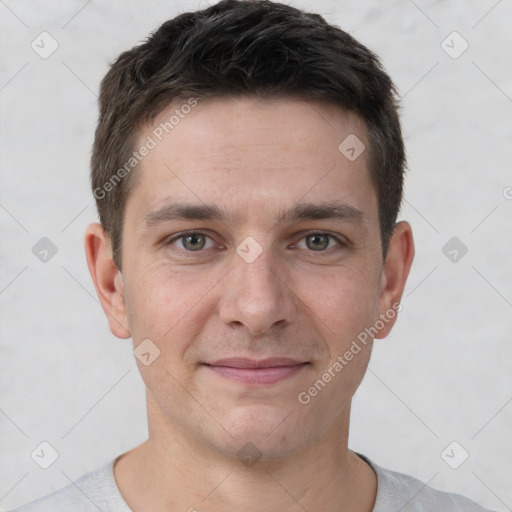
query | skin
[303, 297]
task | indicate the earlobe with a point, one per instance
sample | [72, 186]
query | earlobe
[394, 274]
[107, 280]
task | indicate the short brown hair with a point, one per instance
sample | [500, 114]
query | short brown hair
[235, 48]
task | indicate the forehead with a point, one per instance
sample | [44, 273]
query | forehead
[244, 152]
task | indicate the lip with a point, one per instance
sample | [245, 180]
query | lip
[257, 372]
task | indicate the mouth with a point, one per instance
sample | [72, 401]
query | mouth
[257, 372]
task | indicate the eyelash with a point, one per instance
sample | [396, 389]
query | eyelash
[340, 243]
[169, 243]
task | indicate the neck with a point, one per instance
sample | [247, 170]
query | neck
[173, 471]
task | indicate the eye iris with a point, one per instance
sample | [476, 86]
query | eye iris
[318, 242]
[193, 242]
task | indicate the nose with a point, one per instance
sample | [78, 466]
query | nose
[257, 295]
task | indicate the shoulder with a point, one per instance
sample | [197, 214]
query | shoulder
[397, 491]
[94, 491]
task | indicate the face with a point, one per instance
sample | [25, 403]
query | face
[252, 262]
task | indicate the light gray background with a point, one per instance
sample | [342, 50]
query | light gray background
[443, 375]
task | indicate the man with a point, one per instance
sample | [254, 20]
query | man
[248, 169]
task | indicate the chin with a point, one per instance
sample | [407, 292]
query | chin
[263, 432]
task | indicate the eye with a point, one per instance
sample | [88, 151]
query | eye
[319, 242]
[192, 241]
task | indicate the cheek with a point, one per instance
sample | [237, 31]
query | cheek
[165, 307]
[169, 305]
[344, 307]
[344, 302]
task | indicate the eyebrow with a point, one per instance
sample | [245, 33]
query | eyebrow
[336, 210]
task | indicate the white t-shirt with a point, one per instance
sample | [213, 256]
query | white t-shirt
[97, 491]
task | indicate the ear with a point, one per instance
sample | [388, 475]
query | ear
[394, 275]
[107, 280]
